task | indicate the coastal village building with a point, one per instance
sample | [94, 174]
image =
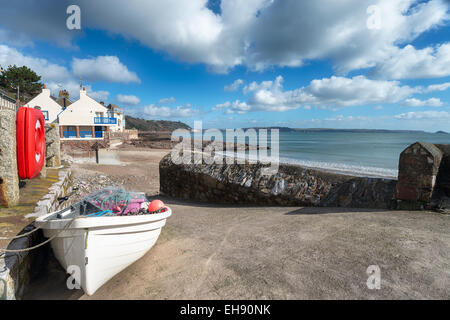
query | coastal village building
[63, 99]
[49, 107]
[84, 119]
[116, 112]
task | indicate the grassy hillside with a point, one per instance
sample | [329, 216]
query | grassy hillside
[154, 125]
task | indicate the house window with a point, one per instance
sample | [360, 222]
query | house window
[45, 114]
[69, 132]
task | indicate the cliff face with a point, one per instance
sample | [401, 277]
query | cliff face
[154, 125]
[290, 186]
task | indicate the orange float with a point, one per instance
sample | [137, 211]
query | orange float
[30, 135]
[156, 205]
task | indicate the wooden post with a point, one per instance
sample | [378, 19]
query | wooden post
[61, 133]
[77, 129]
[93, 132]
[95, 147]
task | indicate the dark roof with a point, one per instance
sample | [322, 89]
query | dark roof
[60, 101]
[430, 148]
[114, 107]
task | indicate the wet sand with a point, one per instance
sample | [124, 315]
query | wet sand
[207, 251]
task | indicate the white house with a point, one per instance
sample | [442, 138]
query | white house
[116, 112]
[85, 119]
[49, 107]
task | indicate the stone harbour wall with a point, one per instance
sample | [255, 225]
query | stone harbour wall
[418, 169]
[83, 145]
[9, 179]
[291, 186]
[17, 269]
[52, 146]
[50, 203]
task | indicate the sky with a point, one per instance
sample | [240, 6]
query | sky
[374, 64]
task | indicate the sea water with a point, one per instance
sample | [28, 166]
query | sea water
[364, 154]
[370, 154]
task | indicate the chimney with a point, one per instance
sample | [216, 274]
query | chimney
[102, 103]
[45, 90]
[63, 94]
[83, 92]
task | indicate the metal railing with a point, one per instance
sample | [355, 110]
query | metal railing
[6, 102]
[105, 120]
[82, 134]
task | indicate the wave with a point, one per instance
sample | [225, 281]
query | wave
[334, 167]
[350, 169]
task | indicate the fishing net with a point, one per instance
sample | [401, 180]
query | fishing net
[114, 201]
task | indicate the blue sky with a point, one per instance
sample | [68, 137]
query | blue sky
[354, 64]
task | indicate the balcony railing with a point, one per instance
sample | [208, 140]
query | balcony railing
[105, 120]
[82, 134]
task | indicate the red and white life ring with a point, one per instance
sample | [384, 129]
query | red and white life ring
[30, 125]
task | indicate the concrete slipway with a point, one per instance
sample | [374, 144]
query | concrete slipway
[217, 252]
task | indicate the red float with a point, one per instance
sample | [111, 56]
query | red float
[30, 127]
[156, 205]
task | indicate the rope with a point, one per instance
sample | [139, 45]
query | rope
[46, 241]
[21, 235]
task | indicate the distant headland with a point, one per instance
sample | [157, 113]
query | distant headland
[287, 129]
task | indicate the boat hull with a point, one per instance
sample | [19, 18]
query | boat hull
[93, 250]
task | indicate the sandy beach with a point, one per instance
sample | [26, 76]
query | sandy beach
[208, 251]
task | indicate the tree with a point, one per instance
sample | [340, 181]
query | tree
[24, 77]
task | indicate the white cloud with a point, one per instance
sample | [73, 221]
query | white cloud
[167, 100]
[234, 86]
[438, 87]
[254, 33]
[337, 30]
[103, 68]
[167, 112]
[333, 93]
[222, 106]
[432, 102]
[15, 39]
[348, 118]
[47, 70]
[359, 90]
[129, 100]
[56, 77]
[98, 95]
[73, 87]
[410, 63]
[425, 115]
[38, 20]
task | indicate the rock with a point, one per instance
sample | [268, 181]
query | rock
[290, 186]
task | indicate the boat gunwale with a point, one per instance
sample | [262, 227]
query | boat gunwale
[84, 222]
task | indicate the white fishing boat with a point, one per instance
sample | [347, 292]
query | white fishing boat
[99, 247]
